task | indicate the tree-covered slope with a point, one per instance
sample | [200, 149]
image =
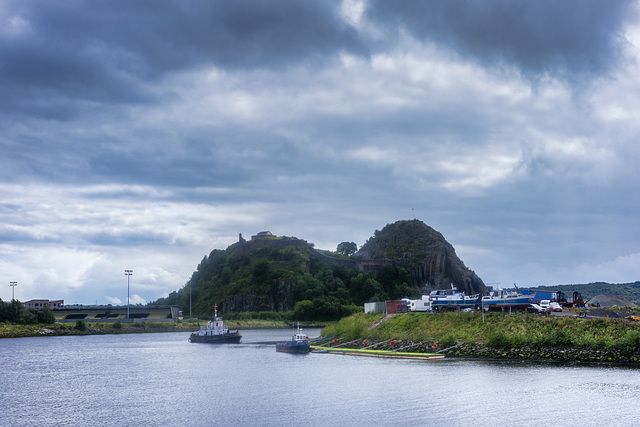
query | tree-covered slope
[283, 274]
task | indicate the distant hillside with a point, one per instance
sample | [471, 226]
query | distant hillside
[590, 290]
[282, 274]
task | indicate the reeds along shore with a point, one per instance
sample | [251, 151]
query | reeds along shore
[504, 336]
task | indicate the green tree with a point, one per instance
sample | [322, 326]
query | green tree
[46, 316]
[347, 248]
[262, 277]
[304, 310]
[28, 316]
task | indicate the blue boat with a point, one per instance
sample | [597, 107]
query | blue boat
[505, 298]
[452, 299]
[299, 343]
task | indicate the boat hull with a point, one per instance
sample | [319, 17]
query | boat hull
[216, 339]
[453, 304]
[521, 302]
[293, 347]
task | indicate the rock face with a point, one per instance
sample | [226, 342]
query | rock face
[432, 260]
[278, 299]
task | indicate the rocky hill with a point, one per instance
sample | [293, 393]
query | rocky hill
[282, 274]
[433, 261]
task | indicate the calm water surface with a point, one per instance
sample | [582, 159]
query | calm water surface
[162, 379]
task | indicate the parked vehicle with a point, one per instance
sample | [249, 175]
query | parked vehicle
[535, 308]
[423, 304]
[545, 303]
[554, 306]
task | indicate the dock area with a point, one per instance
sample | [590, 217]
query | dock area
[376, 353]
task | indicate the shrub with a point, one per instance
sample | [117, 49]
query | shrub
[559, 338]
[498, 340]
[631, 342]
[28, 317]
[81, 325]
[447, 341]
[117, 325]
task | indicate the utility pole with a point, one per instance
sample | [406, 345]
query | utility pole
[128, 273]
[13, 289]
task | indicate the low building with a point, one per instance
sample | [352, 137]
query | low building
[42, 303]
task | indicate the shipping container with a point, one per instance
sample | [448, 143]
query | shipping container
[396, 307]
[374, 307]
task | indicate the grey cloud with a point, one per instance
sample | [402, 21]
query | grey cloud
[561, 38]
[110, 50]
[141, 238]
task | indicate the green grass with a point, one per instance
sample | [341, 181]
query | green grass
[498, 330]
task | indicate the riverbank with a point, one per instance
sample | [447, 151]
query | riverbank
[520, 336]
[10, 330]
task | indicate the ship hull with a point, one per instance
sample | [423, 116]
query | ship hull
[293, 347]
[216, 339]
[521, 302]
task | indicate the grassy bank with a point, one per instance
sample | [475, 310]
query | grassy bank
[10, 330]
[522, 336]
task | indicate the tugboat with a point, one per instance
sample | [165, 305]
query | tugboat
[215, 332]
[299, 343]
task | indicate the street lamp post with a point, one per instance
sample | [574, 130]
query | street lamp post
[128, 273]
[13, 289]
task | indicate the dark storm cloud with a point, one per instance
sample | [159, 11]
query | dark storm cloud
[107, 50]
[562, 38]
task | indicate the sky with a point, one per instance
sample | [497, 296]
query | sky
[144, 134]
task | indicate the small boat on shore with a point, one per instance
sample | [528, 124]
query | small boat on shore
[505, 298]
[299, 343]
[452, 299]
[214, 332]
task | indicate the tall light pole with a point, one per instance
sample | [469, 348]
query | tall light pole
[128, 273]
[13, 289]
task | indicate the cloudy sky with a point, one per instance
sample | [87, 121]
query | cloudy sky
[144, 134]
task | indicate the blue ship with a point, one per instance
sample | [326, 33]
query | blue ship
[299, 344]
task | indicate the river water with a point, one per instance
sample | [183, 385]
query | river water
[160, 379]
